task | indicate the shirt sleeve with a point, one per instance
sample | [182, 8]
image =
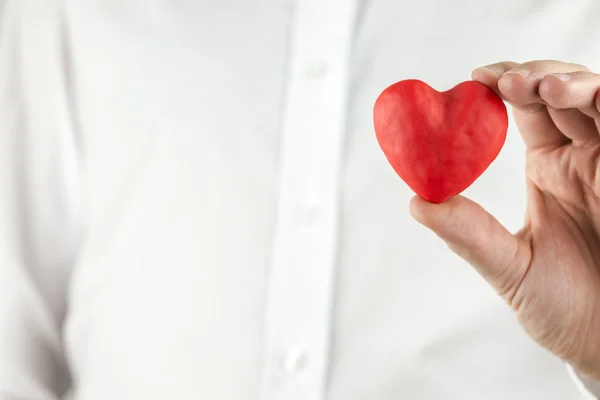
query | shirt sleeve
[590, 390]
[41, 222]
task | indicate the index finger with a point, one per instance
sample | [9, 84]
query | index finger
[519, 84]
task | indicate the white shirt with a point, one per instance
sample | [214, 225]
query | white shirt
[193, 204]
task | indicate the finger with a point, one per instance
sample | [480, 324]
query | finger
[574, 124]
[573, 101]
[538, 130]
[579, 90]
[530, 115]
[490, 74]
[520, 86]
[476, 236]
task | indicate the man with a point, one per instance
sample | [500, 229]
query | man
[194, 204]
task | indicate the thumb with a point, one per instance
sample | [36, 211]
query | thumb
[476, 236]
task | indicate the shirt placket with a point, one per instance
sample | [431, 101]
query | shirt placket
[300, 293]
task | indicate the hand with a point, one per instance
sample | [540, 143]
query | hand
[549, 272]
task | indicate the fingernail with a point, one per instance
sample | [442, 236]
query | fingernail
[524, 72]
[563, 77]
[495, 69]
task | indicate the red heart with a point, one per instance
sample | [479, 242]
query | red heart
[439, 143]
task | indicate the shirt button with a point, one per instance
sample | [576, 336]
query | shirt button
[306, 215]
[312, 214]
[294, 360]
[317, 69]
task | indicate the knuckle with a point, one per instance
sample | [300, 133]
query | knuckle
[539, 65]
[581, 67]
[554, 65]
[509, 65]
[556, 95]
[504, 65]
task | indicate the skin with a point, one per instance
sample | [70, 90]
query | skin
[548, 272]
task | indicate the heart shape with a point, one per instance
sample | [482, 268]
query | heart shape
[439, 143]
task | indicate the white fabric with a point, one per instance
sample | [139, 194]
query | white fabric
[193, 203]
[589, 389]
[307, 228]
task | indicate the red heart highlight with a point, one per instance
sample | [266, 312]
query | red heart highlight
[439, 143]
